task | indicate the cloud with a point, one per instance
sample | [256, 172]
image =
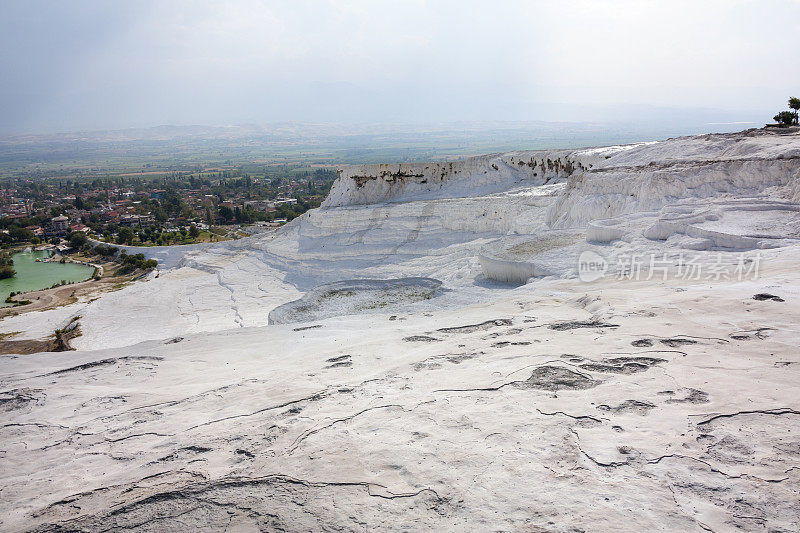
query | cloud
[96, 64]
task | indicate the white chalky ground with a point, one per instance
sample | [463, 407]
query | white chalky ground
[662, 395]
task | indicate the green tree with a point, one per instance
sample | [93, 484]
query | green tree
[226, 213]
[6, 268]
[77, 239]
[172, 202]
[18, 234]
[105, 250]
[160, 214]
[125, 236]
[794, 103]
[194, 233]
[784, 117]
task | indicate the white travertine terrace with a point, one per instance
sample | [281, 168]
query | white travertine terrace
[513, 396]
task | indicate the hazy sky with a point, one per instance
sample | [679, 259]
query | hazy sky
[77, 64]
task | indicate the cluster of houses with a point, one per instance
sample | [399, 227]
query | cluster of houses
[123, 207]
[122, 212]
[59, 226]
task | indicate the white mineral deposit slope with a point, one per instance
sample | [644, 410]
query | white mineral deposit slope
[435, 358]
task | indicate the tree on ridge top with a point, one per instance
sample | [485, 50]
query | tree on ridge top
[784, 117]
[788, 118]
[794, 103]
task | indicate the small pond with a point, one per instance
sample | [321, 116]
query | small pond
[33, 276]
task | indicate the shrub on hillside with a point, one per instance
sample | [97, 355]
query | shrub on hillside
[135, 262]
[106, 250]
